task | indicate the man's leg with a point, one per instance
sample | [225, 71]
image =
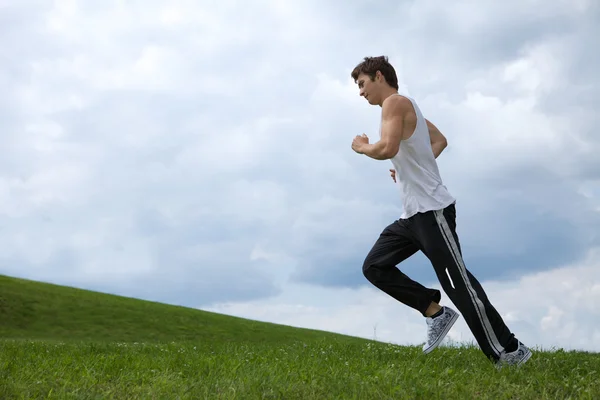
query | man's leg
[394, 245]
[437, 231]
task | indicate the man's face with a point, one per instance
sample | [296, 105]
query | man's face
[368, 89]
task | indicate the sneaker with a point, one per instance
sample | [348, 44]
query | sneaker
[518, 357]
[438, 327]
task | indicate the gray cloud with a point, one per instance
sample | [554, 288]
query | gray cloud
[524, 211]
[152, 150]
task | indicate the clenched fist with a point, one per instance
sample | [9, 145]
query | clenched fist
[358, 142]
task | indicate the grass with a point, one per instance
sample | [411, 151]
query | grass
[65, 343]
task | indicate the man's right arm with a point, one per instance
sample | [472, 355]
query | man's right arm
[437, 139]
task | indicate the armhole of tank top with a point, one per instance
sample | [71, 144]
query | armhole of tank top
[416, 117]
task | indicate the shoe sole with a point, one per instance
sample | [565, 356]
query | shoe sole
[443, 335]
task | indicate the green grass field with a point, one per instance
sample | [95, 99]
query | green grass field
[64, 343]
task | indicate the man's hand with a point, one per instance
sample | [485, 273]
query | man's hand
[359, 142]
[393, 174]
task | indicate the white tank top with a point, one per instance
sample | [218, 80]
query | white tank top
[417, 172]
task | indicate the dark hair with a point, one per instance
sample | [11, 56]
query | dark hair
[370, 65]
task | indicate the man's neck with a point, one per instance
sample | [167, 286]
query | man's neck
[390, 92]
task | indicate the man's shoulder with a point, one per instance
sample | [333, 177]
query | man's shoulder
[396, 105]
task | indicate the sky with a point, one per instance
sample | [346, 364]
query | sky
[198, 153]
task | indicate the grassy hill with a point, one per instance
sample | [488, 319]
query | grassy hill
[59, 342]
[36, 310]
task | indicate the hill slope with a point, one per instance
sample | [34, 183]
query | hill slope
[103, 346]
[35, 310]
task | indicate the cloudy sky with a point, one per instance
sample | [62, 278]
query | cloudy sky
[198, 153]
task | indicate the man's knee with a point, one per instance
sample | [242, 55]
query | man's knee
[368, 268]
[365, 269]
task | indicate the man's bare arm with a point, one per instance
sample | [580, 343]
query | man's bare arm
[437, 139]
[392, 130]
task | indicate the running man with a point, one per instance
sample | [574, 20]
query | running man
[427, 222]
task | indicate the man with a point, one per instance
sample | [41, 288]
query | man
[427, 222]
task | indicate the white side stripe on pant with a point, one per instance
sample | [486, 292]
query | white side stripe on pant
[479, 307]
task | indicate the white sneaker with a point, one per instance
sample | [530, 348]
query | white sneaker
[518, 357]
[438, 327]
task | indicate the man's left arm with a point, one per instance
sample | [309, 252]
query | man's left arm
[437, 139]
[392, 131]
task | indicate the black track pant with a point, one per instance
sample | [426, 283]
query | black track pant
[433, 233]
